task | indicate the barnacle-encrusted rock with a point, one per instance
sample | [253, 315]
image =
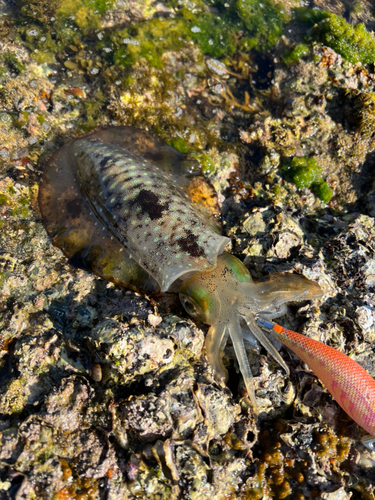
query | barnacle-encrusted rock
[64, 431]
[131, 351]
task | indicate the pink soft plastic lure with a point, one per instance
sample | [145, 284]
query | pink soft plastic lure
[351, 386]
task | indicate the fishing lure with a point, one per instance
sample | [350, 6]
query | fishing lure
[351, 386]
[133, 210]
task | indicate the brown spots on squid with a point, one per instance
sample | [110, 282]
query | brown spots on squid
[103, 162]
[190, 245]
[150, 204]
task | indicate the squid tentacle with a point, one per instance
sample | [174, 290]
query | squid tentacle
[215, 340]
[236, 336]
[264, 341]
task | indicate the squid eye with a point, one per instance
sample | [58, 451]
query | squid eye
[188, 306]
[199, 304]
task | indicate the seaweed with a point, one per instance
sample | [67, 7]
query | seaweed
[306, 173]
[294, 55]
[264, 22]
[353, 43]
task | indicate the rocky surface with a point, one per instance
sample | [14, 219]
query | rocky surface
[107, 394]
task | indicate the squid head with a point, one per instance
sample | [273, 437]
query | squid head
[227, 299]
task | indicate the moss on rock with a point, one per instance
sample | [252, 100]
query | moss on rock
[294, 55]
[301, 171]
[354, 43]
[306, 173]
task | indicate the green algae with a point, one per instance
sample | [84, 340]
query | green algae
[92, 120]
[92, 112]
[240, 25]
[235, 26]
[322, 190]
[302, 171]
[3, 276]
[180, 144]
[20, 211]
[215, 35]
[306, 173]
[150, 40]
[24, 201]
[49, 27]
[205, 161]
[22, 119]
[294, 55]
[12, 62]
[353, 43]
[99, 6]
[264, 22]
[3, 199]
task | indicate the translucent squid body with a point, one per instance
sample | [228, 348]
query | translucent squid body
[125, 205]
[228, 299]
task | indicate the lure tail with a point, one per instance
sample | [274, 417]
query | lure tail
[351, 386]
